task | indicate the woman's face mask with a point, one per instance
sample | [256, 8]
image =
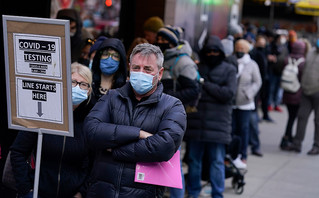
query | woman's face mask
[109, 66]
[240, 54]
[78, 95]
[141, 82]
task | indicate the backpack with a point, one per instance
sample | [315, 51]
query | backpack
[192, 107]
[289, 79]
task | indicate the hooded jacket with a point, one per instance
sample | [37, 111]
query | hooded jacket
[119, 78]
[114, 123]
[212, 122]
[65, 161]
[180, 74]
[76, 40]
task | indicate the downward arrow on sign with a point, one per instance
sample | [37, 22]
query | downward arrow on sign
[39, 109]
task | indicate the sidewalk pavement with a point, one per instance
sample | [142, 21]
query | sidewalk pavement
[280, 174]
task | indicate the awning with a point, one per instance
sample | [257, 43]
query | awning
[273, 1]
[307, 7]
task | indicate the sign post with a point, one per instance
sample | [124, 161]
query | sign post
[38, 78]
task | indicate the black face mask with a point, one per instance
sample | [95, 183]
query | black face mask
[213, 60]
[262, 49]
[240, 54]
[163, 46]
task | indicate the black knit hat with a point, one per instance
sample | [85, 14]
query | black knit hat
[169, 33]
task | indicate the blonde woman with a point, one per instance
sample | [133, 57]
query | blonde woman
[248, 85]
[65, 160]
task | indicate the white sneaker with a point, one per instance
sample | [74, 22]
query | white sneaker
[238, 163]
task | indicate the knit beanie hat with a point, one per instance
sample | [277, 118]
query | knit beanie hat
[235, 29]
[228, 44]
[170, 34]
[153, 24]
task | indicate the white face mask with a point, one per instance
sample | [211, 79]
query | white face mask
[251, 47]
[283, 40]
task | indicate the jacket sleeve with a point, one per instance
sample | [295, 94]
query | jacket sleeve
[256, 81]
[101, 133]
[21, 150]
[163, 144]
[223, 93]
[189, 90]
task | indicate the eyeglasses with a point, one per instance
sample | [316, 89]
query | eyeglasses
[213, 52]
[82, 85]
[115, 56]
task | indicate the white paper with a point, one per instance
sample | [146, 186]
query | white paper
[37, 55]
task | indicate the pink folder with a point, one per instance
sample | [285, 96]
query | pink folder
[160, 173]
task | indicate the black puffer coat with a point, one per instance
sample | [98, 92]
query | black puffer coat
[64, 160]
[114, 123]
[212, 122]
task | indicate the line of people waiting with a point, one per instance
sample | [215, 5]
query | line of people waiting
[220, 92]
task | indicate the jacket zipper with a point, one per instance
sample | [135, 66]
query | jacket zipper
[59, 173]
[118, 183]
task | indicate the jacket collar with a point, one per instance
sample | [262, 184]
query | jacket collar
[127, 90]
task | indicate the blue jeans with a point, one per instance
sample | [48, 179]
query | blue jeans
[216, 155]
[28, 195]
[254, 132]
[275, 92]
[240, 124]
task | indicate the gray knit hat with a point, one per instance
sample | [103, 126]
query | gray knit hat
[228, 44]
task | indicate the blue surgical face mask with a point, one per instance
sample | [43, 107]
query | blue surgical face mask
[141, 82]
[78, 95]
[87, 23]
[109, 66]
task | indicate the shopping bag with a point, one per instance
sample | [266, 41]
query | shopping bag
[160, 173]
[8, 176]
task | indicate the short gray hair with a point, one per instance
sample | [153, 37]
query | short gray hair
[146, 50]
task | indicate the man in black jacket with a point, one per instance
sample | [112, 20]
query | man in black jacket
[210, 128]
[135, 123]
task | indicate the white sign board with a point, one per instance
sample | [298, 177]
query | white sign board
[39, 100]
[38, 74]
[37, 55]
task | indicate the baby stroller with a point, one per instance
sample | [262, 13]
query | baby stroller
[231, 171]
[237, 175]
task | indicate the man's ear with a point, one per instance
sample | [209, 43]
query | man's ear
[160, 74]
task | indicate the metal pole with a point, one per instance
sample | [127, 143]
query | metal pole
[37, 165]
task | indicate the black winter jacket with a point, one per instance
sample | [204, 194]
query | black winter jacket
[212, 122]
[64, 160]
[114, 124]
